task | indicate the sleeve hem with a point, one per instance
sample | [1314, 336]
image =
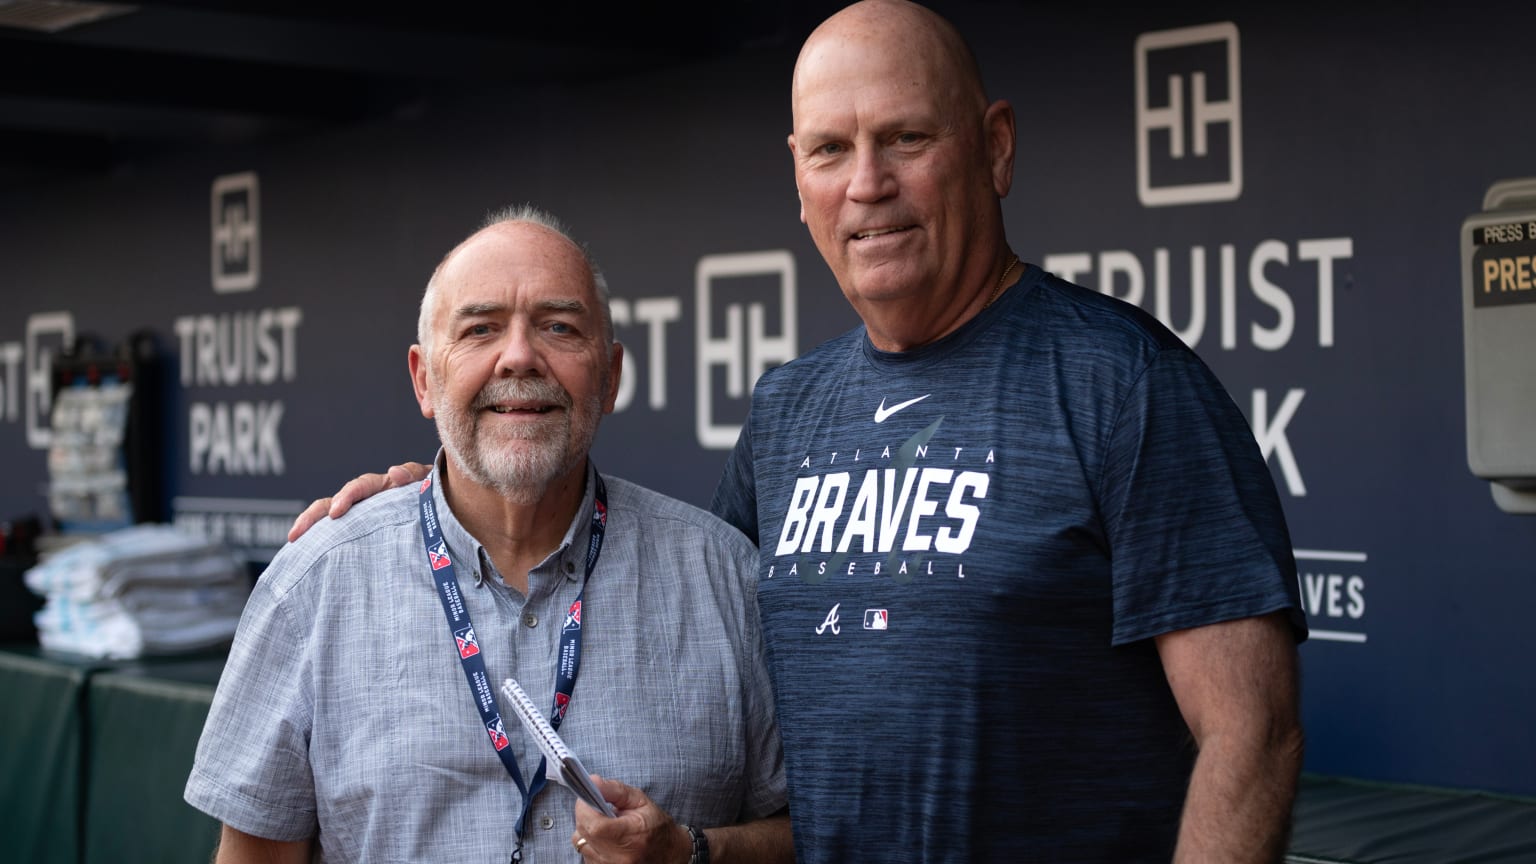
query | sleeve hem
[249, 815]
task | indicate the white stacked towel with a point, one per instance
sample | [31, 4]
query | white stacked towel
[147, 589]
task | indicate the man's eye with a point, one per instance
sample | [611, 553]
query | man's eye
[830, 149]
[909, 138]
[561, 327]
[478, 330]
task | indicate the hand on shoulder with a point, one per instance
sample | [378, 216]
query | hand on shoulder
[355, 490]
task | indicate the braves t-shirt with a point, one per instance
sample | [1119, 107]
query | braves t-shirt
[965, 551]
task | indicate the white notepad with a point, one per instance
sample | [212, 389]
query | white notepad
[568, 769]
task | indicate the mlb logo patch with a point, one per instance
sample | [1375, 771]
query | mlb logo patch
[876, 619]
[573, 616]
[438, 555]
[425, 485]
[562, 702]
[498, 735]
[468, 646]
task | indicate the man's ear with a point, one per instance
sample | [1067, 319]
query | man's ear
[615, 370]
[795, 156]
[417, 362]
[998, 125]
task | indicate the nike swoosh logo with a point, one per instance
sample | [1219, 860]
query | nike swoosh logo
[883, 413]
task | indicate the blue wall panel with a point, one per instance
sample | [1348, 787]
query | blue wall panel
[1364, 138]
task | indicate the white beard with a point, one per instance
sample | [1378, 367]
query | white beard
[518, 464]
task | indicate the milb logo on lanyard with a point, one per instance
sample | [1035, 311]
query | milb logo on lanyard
[468, 647]
[438, 555]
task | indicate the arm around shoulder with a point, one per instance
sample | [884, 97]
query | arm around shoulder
[238, 847]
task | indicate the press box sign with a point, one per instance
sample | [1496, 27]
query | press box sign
[1504, 263]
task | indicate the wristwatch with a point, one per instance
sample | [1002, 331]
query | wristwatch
[700, 845]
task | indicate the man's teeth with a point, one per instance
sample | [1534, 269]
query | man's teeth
[502, 409]
[864, 235]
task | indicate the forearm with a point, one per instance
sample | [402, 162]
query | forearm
[1238, 808]
[1237, 685]
[238, 847]
[760, 842]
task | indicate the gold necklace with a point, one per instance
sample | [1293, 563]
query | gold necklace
[1013, 262]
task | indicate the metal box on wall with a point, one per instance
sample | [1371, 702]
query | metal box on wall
[1498, 258]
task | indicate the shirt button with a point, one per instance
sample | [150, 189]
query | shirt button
[546, 822]
[569, 567]
[530, 619]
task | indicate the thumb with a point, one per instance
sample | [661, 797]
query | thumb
[621, 795]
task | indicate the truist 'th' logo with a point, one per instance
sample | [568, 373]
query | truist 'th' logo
[236, 225]
[735, 336]
[1189, 130]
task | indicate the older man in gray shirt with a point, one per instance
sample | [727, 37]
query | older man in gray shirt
[358, 711]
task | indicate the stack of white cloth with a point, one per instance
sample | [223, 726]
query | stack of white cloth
[144, 590]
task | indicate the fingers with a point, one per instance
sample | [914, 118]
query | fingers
[641, 832]
[355, 490]
[316, 511]
[358, 488]
[620, 794]
[407, 473]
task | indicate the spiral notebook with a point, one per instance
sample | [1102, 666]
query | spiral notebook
[571, 774]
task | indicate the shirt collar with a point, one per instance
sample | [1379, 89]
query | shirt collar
[568, 559]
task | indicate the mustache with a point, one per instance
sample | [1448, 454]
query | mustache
[526, 390]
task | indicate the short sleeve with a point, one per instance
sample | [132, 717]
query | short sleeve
[735, 498]
[1194, 522]
[252, 768]
[766, 791]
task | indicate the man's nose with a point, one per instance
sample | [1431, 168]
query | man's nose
[872, 179]
[520, 356]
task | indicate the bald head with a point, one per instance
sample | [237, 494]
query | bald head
[901, 165]
[517, 217]
[931, 53]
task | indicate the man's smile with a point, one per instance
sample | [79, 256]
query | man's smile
[880, 232]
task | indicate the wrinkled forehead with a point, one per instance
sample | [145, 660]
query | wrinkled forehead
[505, 265]
[519, 252]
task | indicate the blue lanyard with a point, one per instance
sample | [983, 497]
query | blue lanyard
[468, 646]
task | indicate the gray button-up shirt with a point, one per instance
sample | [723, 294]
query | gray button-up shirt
[343, 712]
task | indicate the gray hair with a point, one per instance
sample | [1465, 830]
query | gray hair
[531, 215]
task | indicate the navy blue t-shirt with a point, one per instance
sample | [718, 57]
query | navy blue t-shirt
[965, 551]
